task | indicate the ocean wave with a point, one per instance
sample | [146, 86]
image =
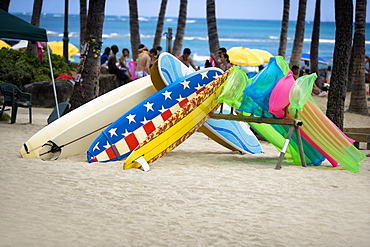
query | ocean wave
[70, 34]
[196, 38]
[143, 19]
[191, 21]
[197, 57]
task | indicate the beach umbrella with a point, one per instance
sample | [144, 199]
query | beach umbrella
[265, 55]
[57, 48]
[3, 44]
[244, 56]
[306, 57]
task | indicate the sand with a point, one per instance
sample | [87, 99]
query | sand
[200, 194]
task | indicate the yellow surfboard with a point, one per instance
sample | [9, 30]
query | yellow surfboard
[178, 127]
[159, 84]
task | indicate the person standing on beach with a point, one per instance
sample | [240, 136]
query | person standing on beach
[143, 63]
[225, 62]
[186, 59]
[122, 61]
[112, 66]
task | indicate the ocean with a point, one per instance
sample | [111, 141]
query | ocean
[256, 34]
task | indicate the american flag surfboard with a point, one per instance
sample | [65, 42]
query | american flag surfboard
[126, 133]
[180, 126]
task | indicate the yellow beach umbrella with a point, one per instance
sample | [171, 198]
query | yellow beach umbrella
[57, 48]
[3, 44]
[244, 56]
[265, 55]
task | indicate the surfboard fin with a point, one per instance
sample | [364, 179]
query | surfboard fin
[144, 164]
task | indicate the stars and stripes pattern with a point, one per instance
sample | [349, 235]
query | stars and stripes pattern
[125, 134]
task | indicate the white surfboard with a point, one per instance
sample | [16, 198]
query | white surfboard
[82, 125]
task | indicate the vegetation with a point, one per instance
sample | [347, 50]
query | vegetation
[20, 67]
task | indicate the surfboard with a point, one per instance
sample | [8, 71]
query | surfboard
[233, 135]
[126, 133]
[178, 127]
[75, 137]
[31, 148]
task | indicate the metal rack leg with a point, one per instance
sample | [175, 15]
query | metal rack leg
[283, 151]
[300, 146]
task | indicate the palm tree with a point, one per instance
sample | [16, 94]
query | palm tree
[342, 54]
[284, 28]
[295, 58]
[213, 41]
[159, 30]
[358, 102]
[35, 20]
[181, 24]
[83, 20]
[87, 88]
[314, 51]
[134, 28]
[4, 5]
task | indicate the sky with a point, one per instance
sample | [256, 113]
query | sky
[227, 9]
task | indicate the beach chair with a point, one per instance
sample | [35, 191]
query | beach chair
[15, 98]
[63, 109]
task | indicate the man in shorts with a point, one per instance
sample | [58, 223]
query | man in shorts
[143, 63]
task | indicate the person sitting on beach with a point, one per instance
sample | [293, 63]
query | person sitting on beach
[112, 66]
[225, 62]
[143, 63]
[186, 59]
[104, 56]
[326, 82]
[296, 71]
[122, 61]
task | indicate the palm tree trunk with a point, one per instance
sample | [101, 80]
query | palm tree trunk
[4, 5]
[35, 20]
[213, 41]
[295, 58]
[181, 24]
[87, 88]
[159, 30]
[342, 54]
[134, 28]
[314, 51]
[284, 29]
[358, 102]
[83, 20]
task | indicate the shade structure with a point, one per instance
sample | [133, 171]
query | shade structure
[57, 48]
[306, 57]
[244, 56]
[265, 55]
[3, 44]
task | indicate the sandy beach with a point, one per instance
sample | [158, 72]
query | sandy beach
[200, 194]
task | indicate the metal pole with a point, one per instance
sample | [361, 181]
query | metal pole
[65, 36]
[52, 79]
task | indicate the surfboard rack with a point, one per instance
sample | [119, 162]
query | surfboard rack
[293, 123]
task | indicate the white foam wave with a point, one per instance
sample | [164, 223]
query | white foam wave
[191, 21]
[197, 57]
[195, 38]
[143, 19]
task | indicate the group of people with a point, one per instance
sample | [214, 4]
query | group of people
[119, 66]
[319, 91]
